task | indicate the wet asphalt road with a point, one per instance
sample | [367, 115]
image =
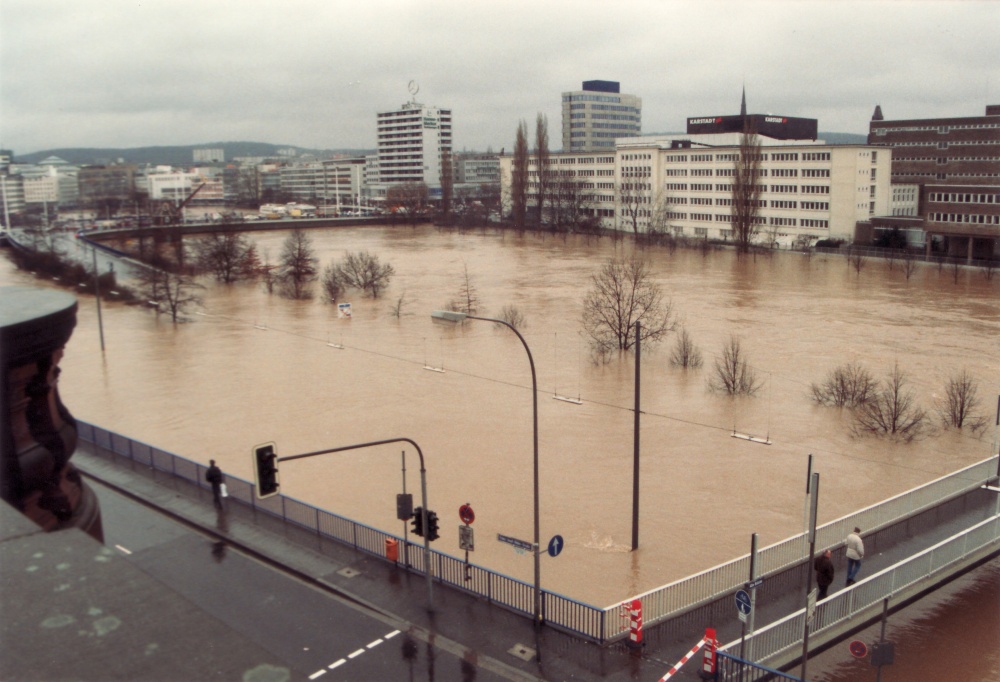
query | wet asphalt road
[316, 634]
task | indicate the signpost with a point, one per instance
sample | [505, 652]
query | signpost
[556, 545]
[519, 544]
[743, 606]
[466, 540]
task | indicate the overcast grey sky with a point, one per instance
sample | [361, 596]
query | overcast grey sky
[313, 73]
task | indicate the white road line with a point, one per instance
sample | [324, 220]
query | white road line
[122, 549]
[317, 674]
[374, 644]
[392, 634]
[337, 664]
[356, 653]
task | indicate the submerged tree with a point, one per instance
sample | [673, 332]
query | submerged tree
[623, 292]
[363, 270]
[542, 164]
[228, 256]
[746, 190]
[733, 372]
[519, 177]
[849, 385]
[168, 292]
[960, 406]
[512, 316]
[892, 410]
[685, 353]
[297, 265]
[467, 299]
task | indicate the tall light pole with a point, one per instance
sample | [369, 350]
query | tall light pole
[452, 316]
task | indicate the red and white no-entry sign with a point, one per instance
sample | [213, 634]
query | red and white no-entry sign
[466, 514]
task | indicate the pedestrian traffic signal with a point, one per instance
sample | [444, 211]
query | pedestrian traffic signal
[432, 526]
[418, 521]
[266, 470]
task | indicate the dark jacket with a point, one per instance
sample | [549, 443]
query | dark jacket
[824, 571]
[214, 475]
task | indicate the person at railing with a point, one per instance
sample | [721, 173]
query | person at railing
[824, 573]
[855, 553]
[215, 477]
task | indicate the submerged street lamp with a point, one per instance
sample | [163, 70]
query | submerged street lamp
[453, 316]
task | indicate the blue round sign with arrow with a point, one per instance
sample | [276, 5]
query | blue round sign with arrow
[556, 545]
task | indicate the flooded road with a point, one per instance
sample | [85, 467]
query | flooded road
[258, 368]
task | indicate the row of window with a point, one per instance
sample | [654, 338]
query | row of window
[591, 98]
[948, 159]
[605, 126]
[967, 218]
[941, 145]
[939, 129]
[964, 198]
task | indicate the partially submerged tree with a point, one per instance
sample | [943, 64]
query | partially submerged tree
[622, 293]
[467, 298]
[363, 270]
[542, 165]
[408, 199]
[685, 353]
[746, 190]
[849, 385]
[892, 410]
[168, 292]
[733, 372]
[298, 264]
[960, 406]
[330, 281]
[228, 256]
[512, 316]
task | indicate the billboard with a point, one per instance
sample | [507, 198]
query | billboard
[776, 127]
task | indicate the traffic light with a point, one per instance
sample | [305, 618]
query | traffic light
[404, 506]
[265, 470]
[432, 526]
[418, 521]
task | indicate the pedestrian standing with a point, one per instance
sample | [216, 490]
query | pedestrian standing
[215, 477]
[824, 573]
[855, 553]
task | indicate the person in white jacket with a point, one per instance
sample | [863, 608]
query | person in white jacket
[855, 553]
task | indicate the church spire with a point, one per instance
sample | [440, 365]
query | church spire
[743, 104]
[877, 116]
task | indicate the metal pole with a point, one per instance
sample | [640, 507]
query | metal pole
[635, 445]
[814, 489]
[406, 526]
[805, 510]
[534, 411]
[881, 637]
[97, 295]
[753, 598]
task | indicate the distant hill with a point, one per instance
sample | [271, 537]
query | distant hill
[179, 155]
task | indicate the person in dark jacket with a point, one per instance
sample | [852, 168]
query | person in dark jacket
[824, 573]
[214, 476]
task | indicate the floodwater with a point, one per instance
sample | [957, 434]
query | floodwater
[256, 368]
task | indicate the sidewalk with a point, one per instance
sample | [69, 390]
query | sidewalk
[472, 628]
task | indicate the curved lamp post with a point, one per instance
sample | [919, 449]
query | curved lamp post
[452, 316]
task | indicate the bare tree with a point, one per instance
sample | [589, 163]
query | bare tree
[268, 271]
[168, 292]
[248, 185]
[746, 190]
[467, 299]
[330, 281]
[849, 385]
[909, 264]
[542, 164]
[623, 292]
[228, 256]
[408, 198]
[519, 177]
[685, 353]
[959, 407]
[397, 308]
[856, 259]
[988, 268]
[733, 373]
[297, 266]
[956, 267]
[488, 194]
[363, 270]
[512, 316]
[892, 410]
[633, 196]
[447, 183]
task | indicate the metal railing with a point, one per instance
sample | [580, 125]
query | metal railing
[557, 610]
[594, 623]
[684, 595]
[783, 638]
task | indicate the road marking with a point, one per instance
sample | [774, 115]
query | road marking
[356, 653]
[374, 644]
[317, 674]
[337, 664]
[392, 634]
[122, 549]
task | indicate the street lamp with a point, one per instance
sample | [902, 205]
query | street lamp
[453, 316]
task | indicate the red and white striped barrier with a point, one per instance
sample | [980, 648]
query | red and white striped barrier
[711, 644]
[635, 623]
[687, 657]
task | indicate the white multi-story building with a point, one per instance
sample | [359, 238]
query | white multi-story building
[411, 141]
[331, 184]
[213, 155]
[594, 117]
[683, 184]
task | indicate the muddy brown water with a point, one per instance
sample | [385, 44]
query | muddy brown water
[258, 368]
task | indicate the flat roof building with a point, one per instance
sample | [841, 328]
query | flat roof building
[411, 142]
[596, 115]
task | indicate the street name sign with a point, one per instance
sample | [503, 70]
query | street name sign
[520, 544]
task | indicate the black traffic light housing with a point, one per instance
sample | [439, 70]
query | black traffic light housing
[418, 521]
[266, 470]
[432, 526]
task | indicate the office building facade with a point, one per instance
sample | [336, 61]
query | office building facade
[597, 115]
[411, 142]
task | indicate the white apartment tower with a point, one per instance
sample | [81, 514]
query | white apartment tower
[592, 118]
[411, 141]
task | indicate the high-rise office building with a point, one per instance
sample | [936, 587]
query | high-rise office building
[411, 141]
[593, 117]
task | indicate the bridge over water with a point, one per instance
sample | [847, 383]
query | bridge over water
[915, 542]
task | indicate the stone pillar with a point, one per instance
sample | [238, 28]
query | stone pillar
[37, 432]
